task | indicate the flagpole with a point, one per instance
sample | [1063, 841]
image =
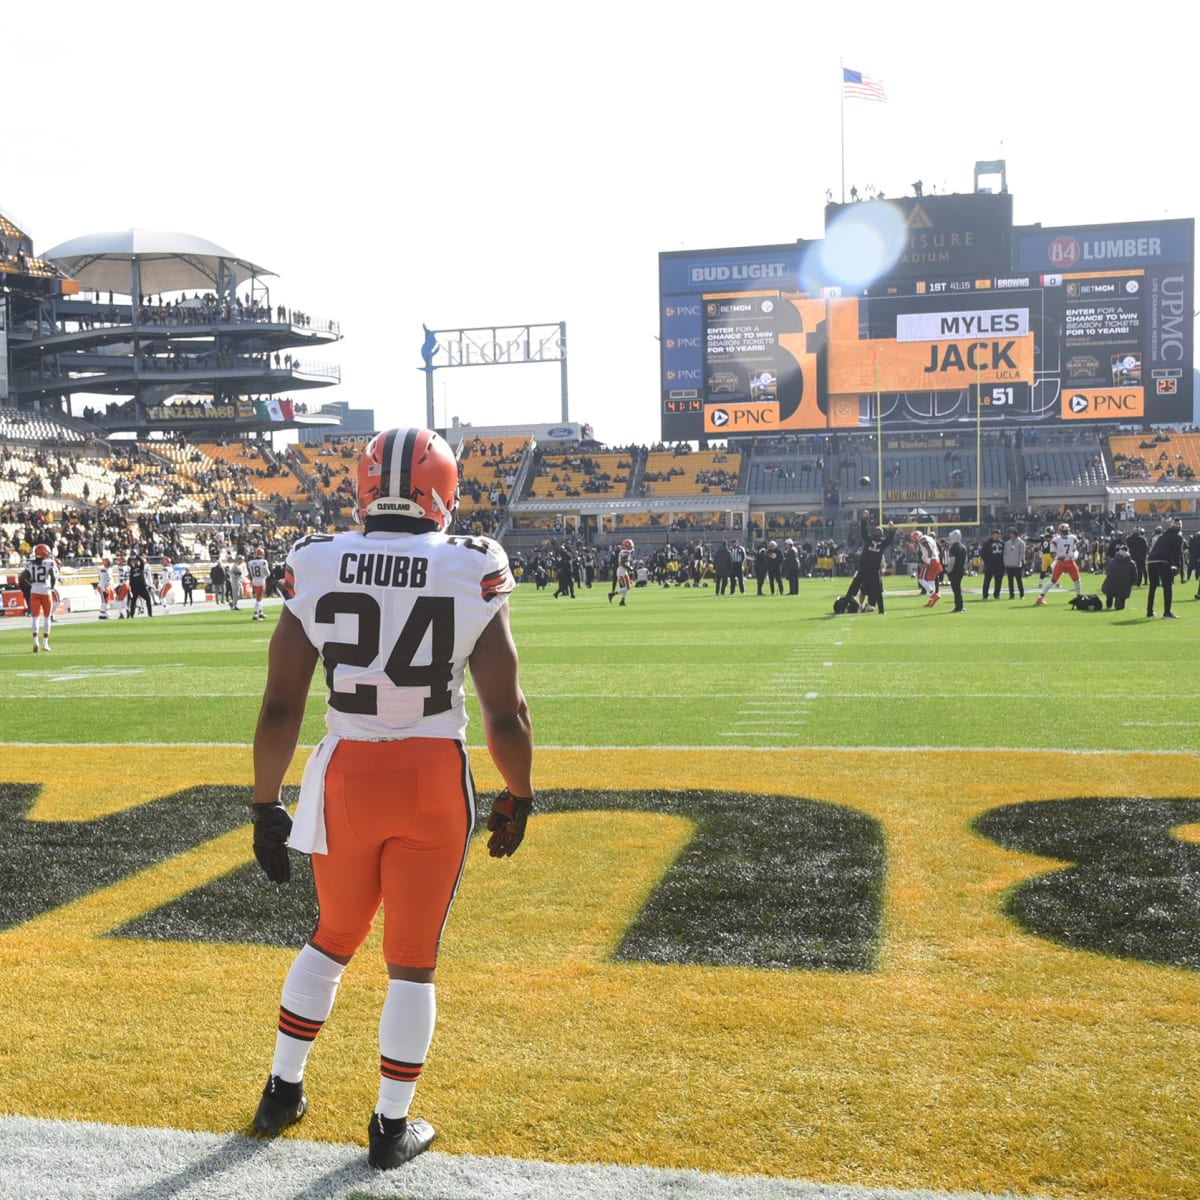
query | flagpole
[842, 113]
[978, 451]
[879, 435]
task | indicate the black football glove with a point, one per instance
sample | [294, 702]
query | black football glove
[272, 825]
[507, 823]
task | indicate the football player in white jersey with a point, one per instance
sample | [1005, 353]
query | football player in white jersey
[164, 584]
[259, 571]
[1064, 550]
[122, 587]
[929, 564]
[43, 579]
[624, 579]
[104, 587]
[396, 614]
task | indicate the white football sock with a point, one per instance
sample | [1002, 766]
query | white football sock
[307, 1001]
[405, 1031]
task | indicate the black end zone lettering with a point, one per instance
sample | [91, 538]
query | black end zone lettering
[772, 882]
[1134, 889]
[767, 881]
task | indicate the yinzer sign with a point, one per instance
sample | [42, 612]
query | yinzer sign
[982, 969]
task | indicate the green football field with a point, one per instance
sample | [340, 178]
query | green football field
[911, 901]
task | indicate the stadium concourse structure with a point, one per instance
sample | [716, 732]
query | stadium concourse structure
[145, 332]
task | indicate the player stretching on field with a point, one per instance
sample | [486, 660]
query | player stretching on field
[1064, 550]
[387, 802]
[929, 564]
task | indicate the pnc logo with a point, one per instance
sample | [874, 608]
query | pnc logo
[1096, 403]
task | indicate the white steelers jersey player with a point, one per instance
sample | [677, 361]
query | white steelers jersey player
[1064, 551]
[258, 569]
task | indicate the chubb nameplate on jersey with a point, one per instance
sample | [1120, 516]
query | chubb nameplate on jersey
[384, 570]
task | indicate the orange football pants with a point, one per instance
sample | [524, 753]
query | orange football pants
[398, 817]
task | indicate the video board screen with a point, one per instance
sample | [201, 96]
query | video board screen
[755, 341]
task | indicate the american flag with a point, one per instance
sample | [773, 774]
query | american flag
[857, 86]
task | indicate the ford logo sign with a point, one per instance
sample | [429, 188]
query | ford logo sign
[560, 431]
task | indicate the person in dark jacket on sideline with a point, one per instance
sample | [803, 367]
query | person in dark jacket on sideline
[1164, 559]
[1014, 563]
[956, 566]
[991, 554]
[1138, 547]
[1120, 574]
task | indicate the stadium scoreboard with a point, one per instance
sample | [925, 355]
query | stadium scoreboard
[973, 322]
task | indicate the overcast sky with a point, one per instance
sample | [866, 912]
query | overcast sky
[472, 164]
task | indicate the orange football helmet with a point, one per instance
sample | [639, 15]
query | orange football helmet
[41, 550]
[408, 473]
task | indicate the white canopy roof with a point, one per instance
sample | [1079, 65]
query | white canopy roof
[166, 262]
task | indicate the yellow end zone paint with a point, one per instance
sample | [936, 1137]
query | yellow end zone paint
[975, 1057]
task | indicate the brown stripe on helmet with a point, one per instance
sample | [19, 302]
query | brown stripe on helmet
[398, 459]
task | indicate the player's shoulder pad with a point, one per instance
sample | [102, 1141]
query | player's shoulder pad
[310, 539]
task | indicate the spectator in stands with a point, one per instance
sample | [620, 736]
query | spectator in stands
[991, 554]
[1014, 564]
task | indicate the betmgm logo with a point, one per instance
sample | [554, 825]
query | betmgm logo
[1102, 404]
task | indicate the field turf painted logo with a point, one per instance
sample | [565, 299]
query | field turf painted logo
[834, 932]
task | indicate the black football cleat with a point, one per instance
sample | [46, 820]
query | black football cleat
[282, 1104]
[394, 1141]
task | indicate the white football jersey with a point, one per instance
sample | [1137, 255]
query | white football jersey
[927, 548]
[258, 569]
[395, 617]
[1063, 545]
[43, 576]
